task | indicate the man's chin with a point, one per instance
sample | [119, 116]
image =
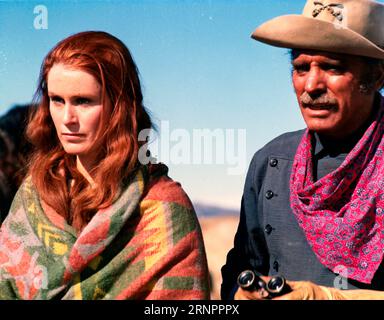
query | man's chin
[323, 129]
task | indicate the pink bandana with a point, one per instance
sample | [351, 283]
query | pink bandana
[342, 213]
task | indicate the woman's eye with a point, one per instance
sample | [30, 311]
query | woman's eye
[56, 100]
[82, 101]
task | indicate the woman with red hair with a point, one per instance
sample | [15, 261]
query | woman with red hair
[92, 221]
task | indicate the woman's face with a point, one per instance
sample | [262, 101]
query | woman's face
[75, 105]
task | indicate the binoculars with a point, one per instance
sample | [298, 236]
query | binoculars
[250, 280]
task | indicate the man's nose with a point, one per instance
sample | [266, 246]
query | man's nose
[70, 115]
[315, 82]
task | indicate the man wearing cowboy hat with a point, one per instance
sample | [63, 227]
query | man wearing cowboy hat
[313, 203]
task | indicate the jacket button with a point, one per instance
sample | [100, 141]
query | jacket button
[276, 266]
[273, 162]
[268, 229]
[269, 194]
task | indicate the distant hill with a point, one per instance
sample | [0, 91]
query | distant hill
[204, 210]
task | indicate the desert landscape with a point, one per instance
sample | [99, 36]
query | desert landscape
[218, 232]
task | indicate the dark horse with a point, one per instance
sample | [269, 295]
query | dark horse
[14, 150]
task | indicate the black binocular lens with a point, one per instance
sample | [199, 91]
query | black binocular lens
[250, 280]
[246, 278]
[276, 284]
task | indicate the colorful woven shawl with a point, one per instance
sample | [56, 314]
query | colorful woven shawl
[342, 213]
[147, 245]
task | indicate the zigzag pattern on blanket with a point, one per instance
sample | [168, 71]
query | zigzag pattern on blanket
[147, 245]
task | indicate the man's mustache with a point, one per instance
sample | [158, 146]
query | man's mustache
[324, 99]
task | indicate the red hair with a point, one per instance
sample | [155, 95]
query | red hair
[51, 168]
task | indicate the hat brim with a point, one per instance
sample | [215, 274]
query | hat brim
[299, 32]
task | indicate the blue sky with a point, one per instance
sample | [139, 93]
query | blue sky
[199, 68]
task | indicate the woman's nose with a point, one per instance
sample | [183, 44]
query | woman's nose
[70, 115]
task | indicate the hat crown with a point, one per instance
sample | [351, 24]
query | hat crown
[365, 17]
[354, 27]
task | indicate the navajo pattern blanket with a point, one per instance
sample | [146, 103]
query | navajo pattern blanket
[146, 245]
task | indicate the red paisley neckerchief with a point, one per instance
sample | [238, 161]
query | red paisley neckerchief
[342, 213]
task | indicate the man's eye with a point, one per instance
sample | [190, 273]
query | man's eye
[336, 69]
[300, 68]
[333, 68]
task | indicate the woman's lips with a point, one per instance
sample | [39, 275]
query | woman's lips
[73, 136]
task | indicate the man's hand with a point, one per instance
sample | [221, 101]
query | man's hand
[242, 294]
[300, 290]
[305, 290]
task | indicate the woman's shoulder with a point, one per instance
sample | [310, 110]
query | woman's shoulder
[167, 207]
[26, 187]
[164, 189]
[25, 195]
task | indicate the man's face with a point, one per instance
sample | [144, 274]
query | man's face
[327, 89]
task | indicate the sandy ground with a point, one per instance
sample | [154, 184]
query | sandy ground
[218, 233]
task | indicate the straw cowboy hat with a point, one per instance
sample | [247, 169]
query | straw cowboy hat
[343, 26]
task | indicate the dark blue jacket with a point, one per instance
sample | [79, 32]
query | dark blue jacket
[269, 238]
